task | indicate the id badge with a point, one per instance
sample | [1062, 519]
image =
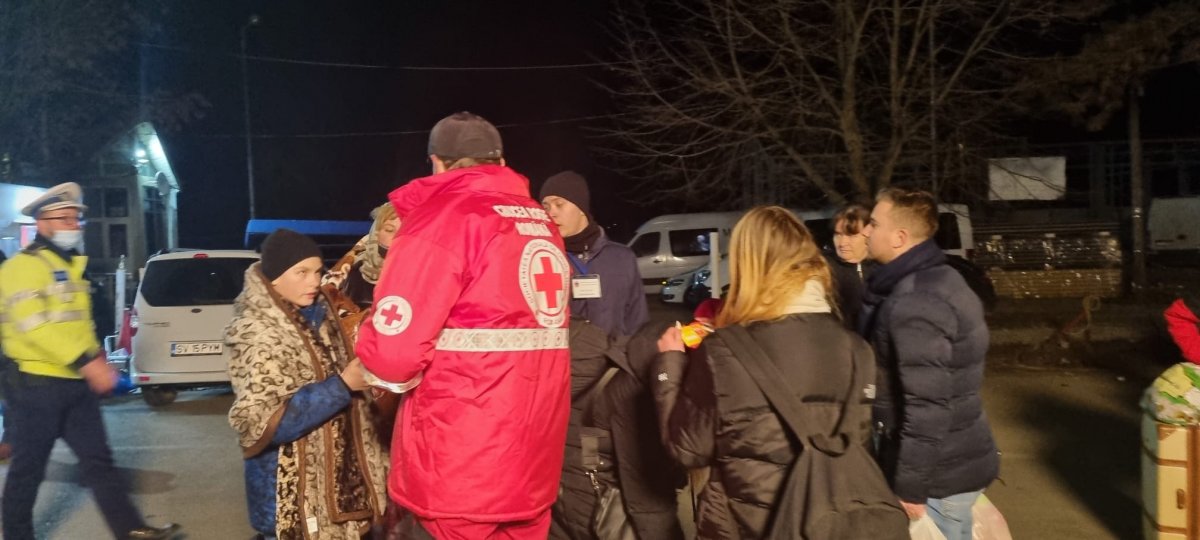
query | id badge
[585, 286]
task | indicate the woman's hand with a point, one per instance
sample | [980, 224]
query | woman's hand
[671, 340]
[354, 376]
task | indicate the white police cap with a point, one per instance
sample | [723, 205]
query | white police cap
[66, 195]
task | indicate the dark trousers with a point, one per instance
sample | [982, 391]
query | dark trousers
[8, 371]
[45, 409]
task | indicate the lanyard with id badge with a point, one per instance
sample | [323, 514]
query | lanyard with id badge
[583, 284]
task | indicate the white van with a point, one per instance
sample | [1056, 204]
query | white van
[670, 245]
[184, 302]
[955, 235]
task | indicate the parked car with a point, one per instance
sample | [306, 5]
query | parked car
[673, 290]
[955, 234]
[184, 301]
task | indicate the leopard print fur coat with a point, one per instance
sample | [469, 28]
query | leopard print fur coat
[331, 482]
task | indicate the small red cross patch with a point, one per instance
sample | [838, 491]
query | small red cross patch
[392, 315]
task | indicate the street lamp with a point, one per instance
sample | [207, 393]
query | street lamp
[253, 21]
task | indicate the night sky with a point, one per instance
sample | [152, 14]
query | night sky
[343, 177]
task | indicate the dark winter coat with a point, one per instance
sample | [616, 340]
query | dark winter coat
[714, 415]
[357, 288]
[849, 283]
[636, 460]
[621, 308]
[930, 341]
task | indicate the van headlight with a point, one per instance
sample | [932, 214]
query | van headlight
[676, 282]
[700, 277]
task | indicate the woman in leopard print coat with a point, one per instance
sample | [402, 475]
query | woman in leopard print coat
[315, 468]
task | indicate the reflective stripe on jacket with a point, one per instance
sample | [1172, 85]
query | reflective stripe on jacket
[46, 313]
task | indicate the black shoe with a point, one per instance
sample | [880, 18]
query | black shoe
[154, 533]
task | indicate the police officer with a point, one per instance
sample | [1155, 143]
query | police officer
[47, 329]
[6, 369]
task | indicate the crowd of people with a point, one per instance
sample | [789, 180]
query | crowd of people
[539, 401]
[482, 365]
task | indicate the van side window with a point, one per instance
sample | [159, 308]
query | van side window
[645, 245]
[947, 236]
[690, 242]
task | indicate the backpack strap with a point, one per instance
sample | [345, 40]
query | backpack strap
[770, 379]
[596, 391]
[589, 436]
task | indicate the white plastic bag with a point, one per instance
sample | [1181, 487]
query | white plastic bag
[924, 529]
[987, 522]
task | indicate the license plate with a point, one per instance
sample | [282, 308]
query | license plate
[197, 348]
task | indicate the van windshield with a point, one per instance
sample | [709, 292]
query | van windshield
[194, 282]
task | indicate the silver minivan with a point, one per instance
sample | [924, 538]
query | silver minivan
[669, 245]
[184, 302]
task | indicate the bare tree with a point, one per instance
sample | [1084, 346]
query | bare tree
[70, 79]
[813, 98]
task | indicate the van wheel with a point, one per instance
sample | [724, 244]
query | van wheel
[158, 396]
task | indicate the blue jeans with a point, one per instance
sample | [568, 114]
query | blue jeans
[952, 515]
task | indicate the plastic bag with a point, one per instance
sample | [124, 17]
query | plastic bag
[1174, 397]
[987, 522]
[924, 529]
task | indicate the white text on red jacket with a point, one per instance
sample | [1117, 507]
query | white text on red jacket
[526, 228]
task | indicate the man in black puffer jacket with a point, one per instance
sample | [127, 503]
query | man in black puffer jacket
[930, 340]
[630, 447]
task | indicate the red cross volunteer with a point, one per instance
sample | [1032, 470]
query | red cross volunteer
[473, 298]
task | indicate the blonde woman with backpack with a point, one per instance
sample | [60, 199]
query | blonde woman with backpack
[777, 400]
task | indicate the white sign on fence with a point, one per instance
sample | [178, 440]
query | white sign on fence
[1027, 178]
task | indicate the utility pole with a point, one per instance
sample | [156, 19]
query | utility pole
[1137, 189]
[933, 161]
[253, 21]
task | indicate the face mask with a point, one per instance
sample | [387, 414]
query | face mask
[67, 240]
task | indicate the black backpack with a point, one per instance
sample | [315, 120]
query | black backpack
[834, 489]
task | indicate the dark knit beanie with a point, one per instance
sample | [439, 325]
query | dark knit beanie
[571, 186]
[465, 135]
[283, 249]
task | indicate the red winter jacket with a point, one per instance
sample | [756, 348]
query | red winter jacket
[1184, 327]
[474, 294]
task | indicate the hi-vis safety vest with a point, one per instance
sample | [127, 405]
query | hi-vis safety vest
[46, 313]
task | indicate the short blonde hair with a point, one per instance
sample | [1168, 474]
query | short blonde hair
[772, 257]
[383, 214]
[912, 209]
